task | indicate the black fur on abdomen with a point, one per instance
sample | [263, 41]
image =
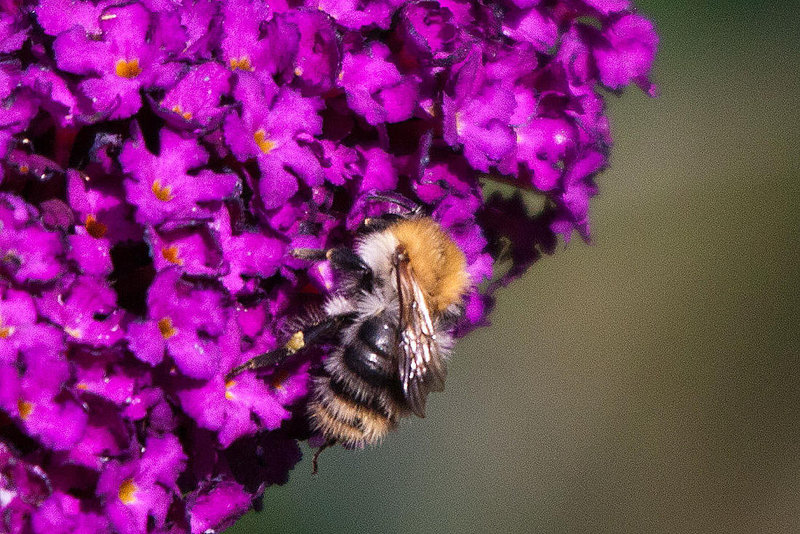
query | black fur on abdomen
[360, 399]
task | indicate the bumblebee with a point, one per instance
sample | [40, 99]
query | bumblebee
[402, 291]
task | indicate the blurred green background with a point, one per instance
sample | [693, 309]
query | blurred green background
[650, 382]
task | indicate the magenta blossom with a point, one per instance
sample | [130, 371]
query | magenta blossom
[161, 160]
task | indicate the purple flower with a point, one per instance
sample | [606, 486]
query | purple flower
[199, 19]
[54, 94]
[608, 6]
[161, 159]
[628, 54]
[184, 322]
[340, 163]
[242, 47]
[375, 87]
[432, 33]
[532, 26]
[457, 215]
[271, 129]
[196, 99]
[377, 170]
[100, 207]
[247, 253]
[240, 406]
[442, 176]
[85, 309]
[104, 373]
[13, 33]
[233, 408]
[27, 251]
[32, 397]
[162, 189]
[478, 117]
[542, 146]
[190, 248]
[23, 486]
[83, 13]
[91, 254]
[61, 513]
[205, 512]
[577, 189]
[18, 107]
[120, 64]
[17, 312]
[356, 14]
[317, 61]
[136, 491]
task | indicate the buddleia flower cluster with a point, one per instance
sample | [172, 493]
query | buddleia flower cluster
[160, 158]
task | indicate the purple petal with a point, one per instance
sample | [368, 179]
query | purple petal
[204, 402]
[113, 96]
[375, 88]
[62, 514]
[192, 249]
[30, 252]
[196, 97]
[532, 26]
[163, 460]
[630, 53]
[76, 53]
[146, 342]
[12, 36]
[86, 15]
[608, 6]
[92, 255]
[248, 253]
[217, 506]
[195, 357]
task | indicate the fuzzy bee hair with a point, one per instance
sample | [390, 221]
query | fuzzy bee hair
[390, 321]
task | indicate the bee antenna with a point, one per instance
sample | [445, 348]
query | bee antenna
[314, 460]
[407, 204]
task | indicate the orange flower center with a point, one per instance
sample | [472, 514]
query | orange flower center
[127, 491]
[73, 332]
[95, 228]
[166, 328]
[242, 63]
[266, 145]
[164, 194]
[171, 255]
[5, 331]
[228, 393]
[459, 123]
[185, 114]
[25, 408]
[127, 69]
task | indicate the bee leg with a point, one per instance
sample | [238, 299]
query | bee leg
[299, 340]
[342, 259]
[310, 254]
[376, 224]
[407, 204]
[268, 359]
[315, 459]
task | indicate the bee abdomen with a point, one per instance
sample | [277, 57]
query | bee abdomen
[369, 355]
[358, 401]
[341, 416]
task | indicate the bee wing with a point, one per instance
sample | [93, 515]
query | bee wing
[421, 366]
